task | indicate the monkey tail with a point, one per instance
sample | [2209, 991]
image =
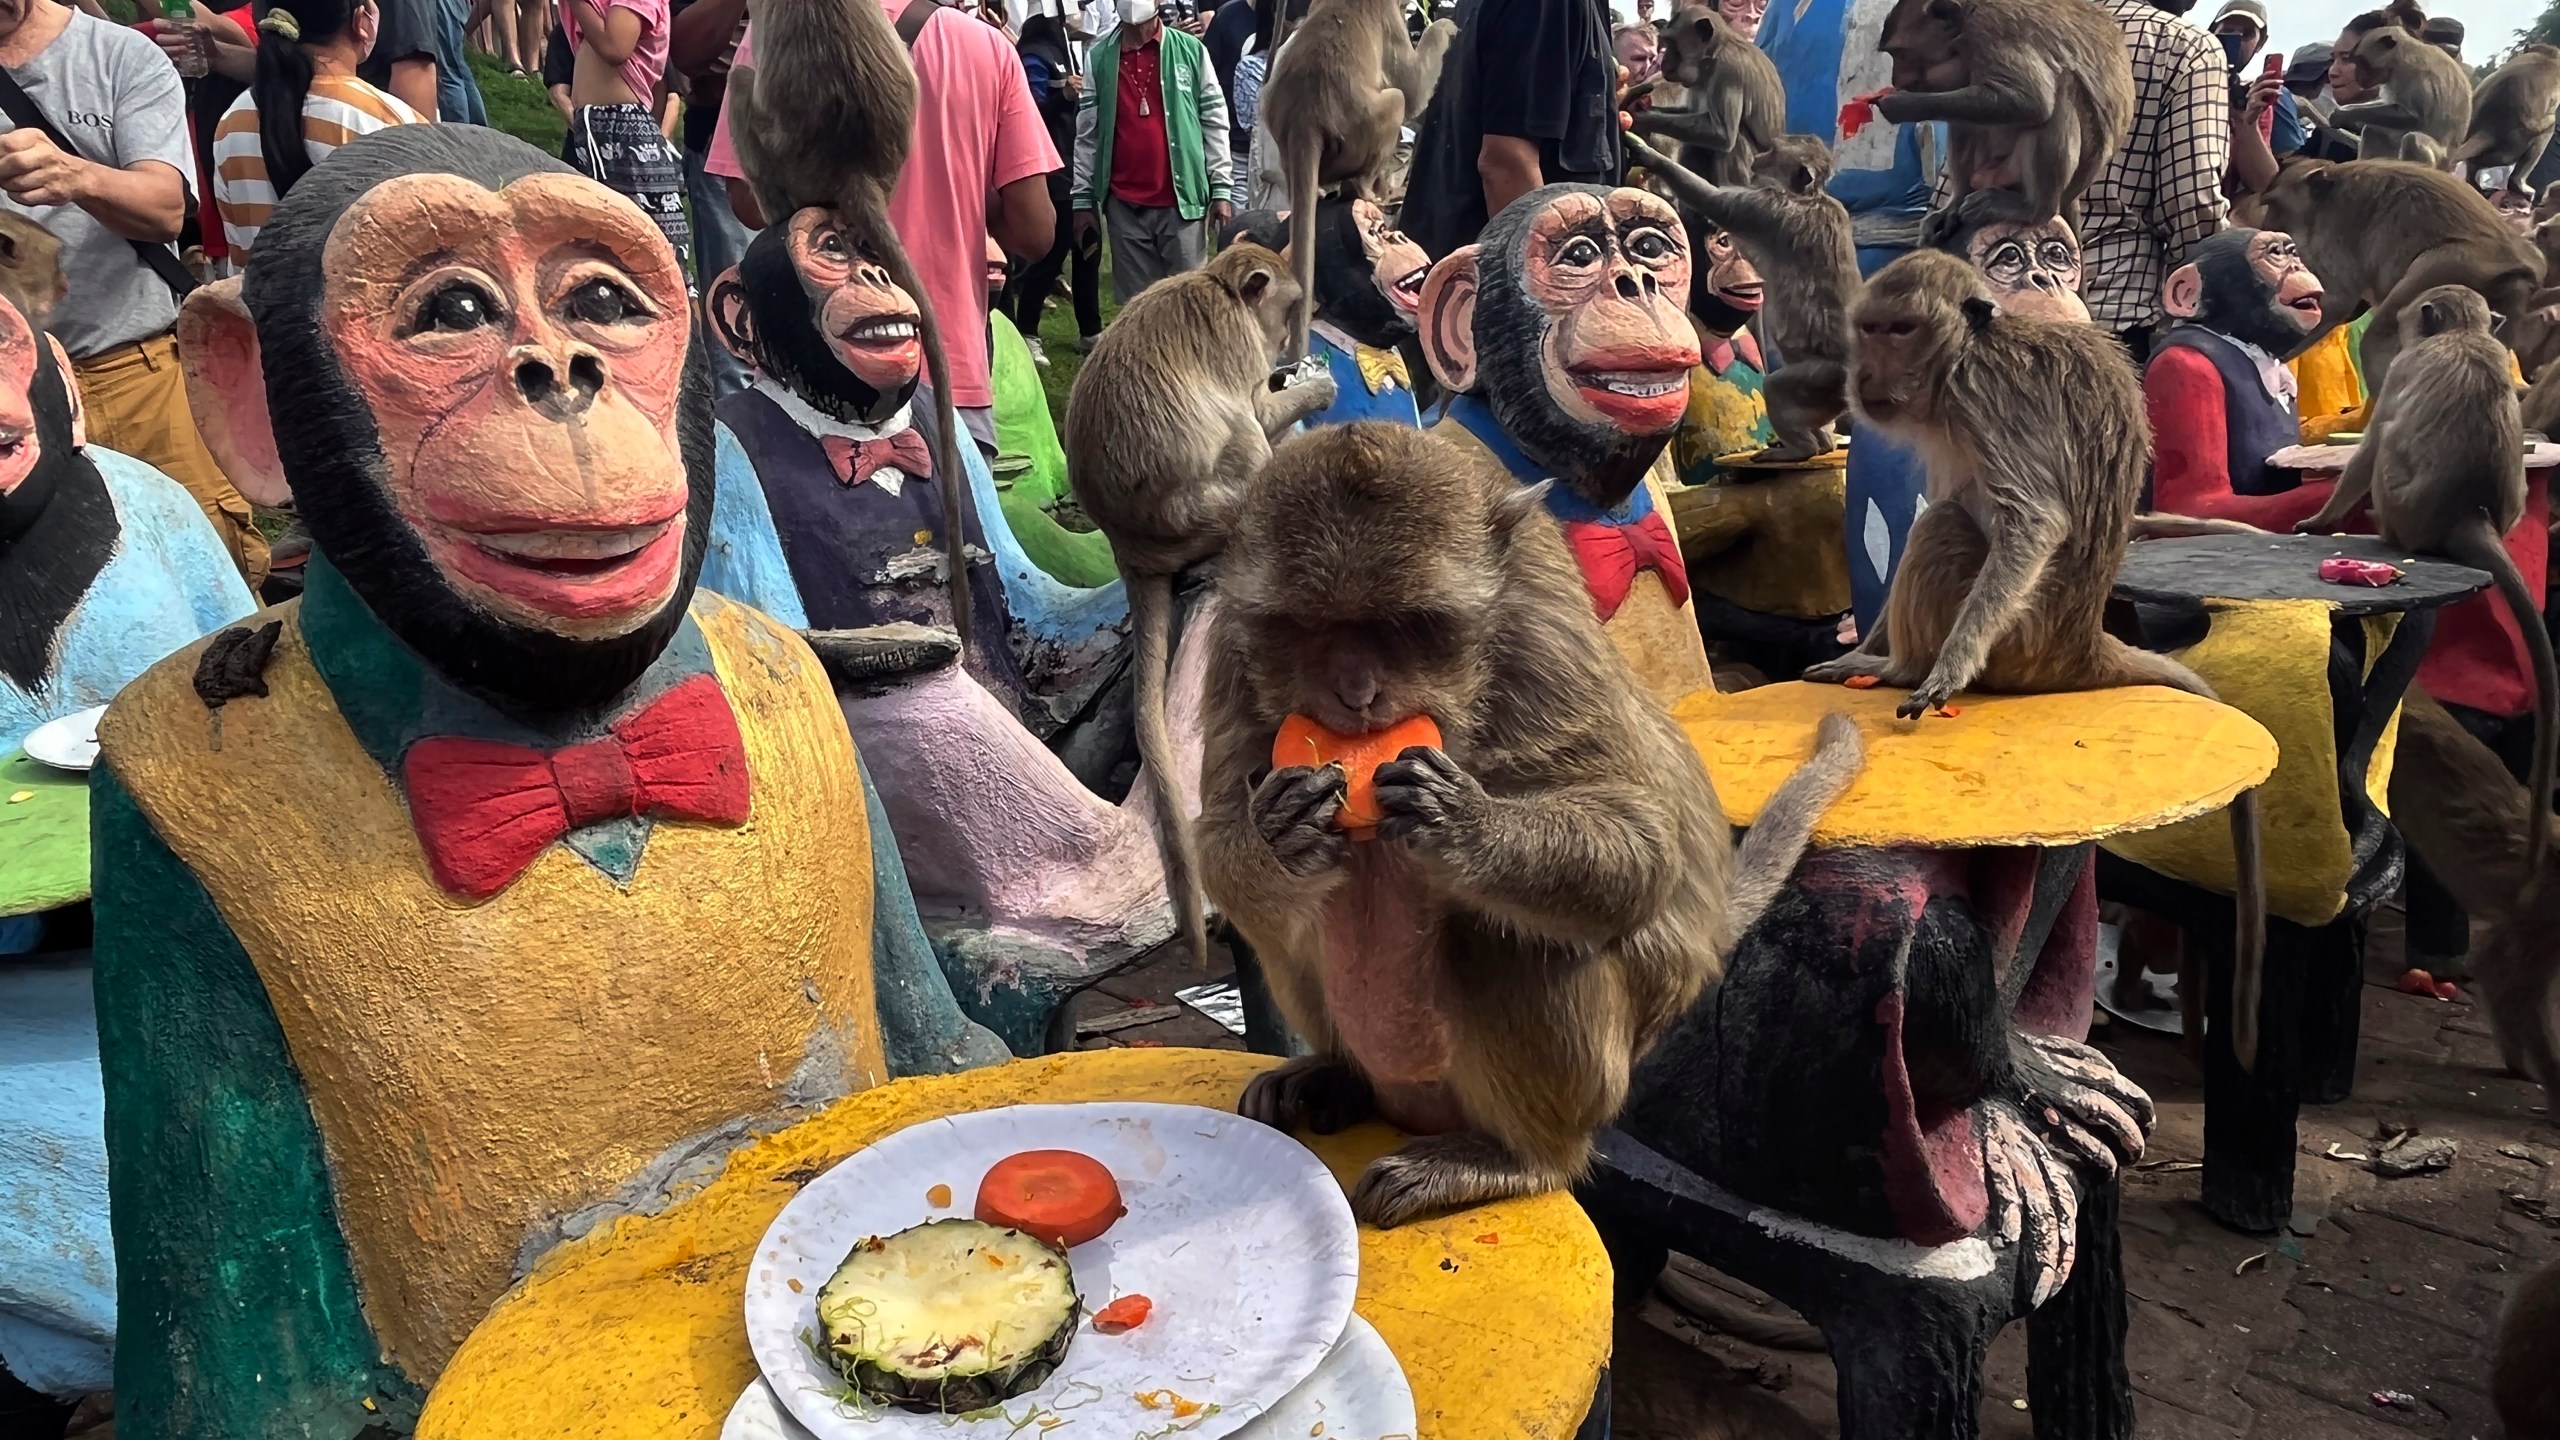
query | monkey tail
[1685, 1283]
[1303, 161]
[946, 444]
[2477, 545]
[1151, 613]
[2166, 527]
[1777, 839]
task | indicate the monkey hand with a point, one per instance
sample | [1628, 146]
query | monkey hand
[1292, 810]
[2079, 1102]
[1426, 800]
[1933, 694]
[1856, 665]
[1322, 1093]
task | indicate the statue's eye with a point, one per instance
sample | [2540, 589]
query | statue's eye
[456, 307]
[1649, 245]
[1579, 251]
[602, 302]
[2058, 256]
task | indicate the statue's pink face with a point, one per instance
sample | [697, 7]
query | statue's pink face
[522, 350]
[19, 447]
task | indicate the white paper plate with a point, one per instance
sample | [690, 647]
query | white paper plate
[1237, 1232]
[1358, 1393]
[70, 743]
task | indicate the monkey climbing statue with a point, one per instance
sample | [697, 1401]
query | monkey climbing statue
[501, 872]
[2218, 393]
[1561, 338]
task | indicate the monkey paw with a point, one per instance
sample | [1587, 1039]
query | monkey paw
[1322, 1093]
[1852, 666]
[1422, 793]
[1933, 694]
[1439, 1173]
[1293, 812]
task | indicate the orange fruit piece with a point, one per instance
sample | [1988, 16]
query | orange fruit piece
[1304, 742]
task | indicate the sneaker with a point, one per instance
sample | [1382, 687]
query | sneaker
[1039, 354]
[1084, 344]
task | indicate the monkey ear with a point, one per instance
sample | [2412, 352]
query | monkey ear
[1978, 313]
[1255, 284]
[1525, 502]
[1946, 12]
[71, 387]
[726, 305]
[227, 390]
[1449, 320]
[2182, 294]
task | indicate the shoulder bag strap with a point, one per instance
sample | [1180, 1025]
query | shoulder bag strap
[23, 111]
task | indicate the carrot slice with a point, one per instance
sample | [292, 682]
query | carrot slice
[1126, 1313]
[1304, 742]
[1054, 1195]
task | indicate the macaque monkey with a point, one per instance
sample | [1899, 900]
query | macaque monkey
[2511, 115]
[825, 117]
[2443, 464]
[1797, 237]
[1338, 98]
[1170, 418]
[2380, 233]
[2037, 94]
[2524, 1372]
[30, 268]
[1547, 887]
[2036, 444]
[1734, 105]
[2424, 91]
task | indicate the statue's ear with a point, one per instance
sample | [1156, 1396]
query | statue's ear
[227, 390]
[1449, 320]
[71, 390]
[2182, 294]
[726, 304]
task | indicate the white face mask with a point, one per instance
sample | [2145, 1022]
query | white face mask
[1137, 12]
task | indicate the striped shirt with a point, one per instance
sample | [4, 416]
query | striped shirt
[339, 109]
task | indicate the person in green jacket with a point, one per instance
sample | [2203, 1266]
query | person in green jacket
[1143, 169]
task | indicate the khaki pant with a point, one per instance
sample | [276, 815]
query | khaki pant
[135, 399]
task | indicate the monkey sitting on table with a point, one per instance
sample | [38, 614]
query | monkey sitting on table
[1561, 339]
[2034, 440]
[1548, 885]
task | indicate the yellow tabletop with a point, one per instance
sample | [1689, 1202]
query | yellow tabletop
[2003, 770]
[1500, 1315]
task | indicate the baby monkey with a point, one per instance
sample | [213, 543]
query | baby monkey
[1547, 887]
[2443, 462]
[2036, 445]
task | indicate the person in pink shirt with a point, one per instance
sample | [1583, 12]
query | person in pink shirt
[621, 48]
[978, 167]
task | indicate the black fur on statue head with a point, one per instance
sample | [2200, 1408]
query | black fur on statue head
[331, 450]
[2237, 301]
[1347, 293]
[789, 349]
[58, 529]
[1600, 462]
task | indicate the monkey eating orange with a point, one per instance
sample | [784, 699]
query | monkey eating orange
[1305, 742]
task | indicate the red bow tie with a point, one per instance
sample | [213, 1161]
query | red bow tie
[485, 809]
[1612, 555]
[856, 459]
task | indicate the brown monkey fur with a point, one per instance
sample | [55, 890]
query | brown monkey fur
[2524, 1371]
[2511, 114]
[1168, 422]
[1735, 105]
[2380, 233]
[2035, 441]
[1558, 873]
[2424, 91]
[1339, 94]
[825, 117]
[1798, 237]
[30, 268]
[2443, 465]
[2535, 334]
[2037, 94]
[2468, 819]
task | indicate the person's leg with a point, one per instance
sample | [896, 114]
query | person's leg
[533, 32]
[719, 242]
[1133, 256]
[135, 402]
[1028, 295]
[1186, 243]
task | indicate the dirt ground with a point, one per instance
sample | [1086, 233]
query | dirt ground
[2379, 1287]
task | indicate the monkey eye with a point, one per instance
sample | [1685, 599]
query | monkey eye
[602, 302]
[1900, 327]
[455, 307]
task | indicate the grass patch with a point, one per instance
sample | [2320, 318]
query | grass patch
[1058, 337]
[519, 105]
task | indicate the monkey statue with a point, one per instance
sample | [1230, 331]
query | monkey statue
[2037, 94]
[1733, 106]
[1562, 339]
[823, 489]
[1368, 281]
[2217, 391]
[1550, 880]
[105, 566]
[502, 875]
[1727, 410]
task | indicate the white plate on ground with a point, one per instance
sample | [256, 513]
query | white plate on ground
[70, 743]
[1237, 1232]
[1358, 1393]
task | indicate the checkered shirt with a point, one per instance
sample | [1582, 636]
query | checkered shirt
[2163, 191]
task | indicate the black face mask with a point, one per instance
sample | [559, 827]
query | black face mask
[2235, 48]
